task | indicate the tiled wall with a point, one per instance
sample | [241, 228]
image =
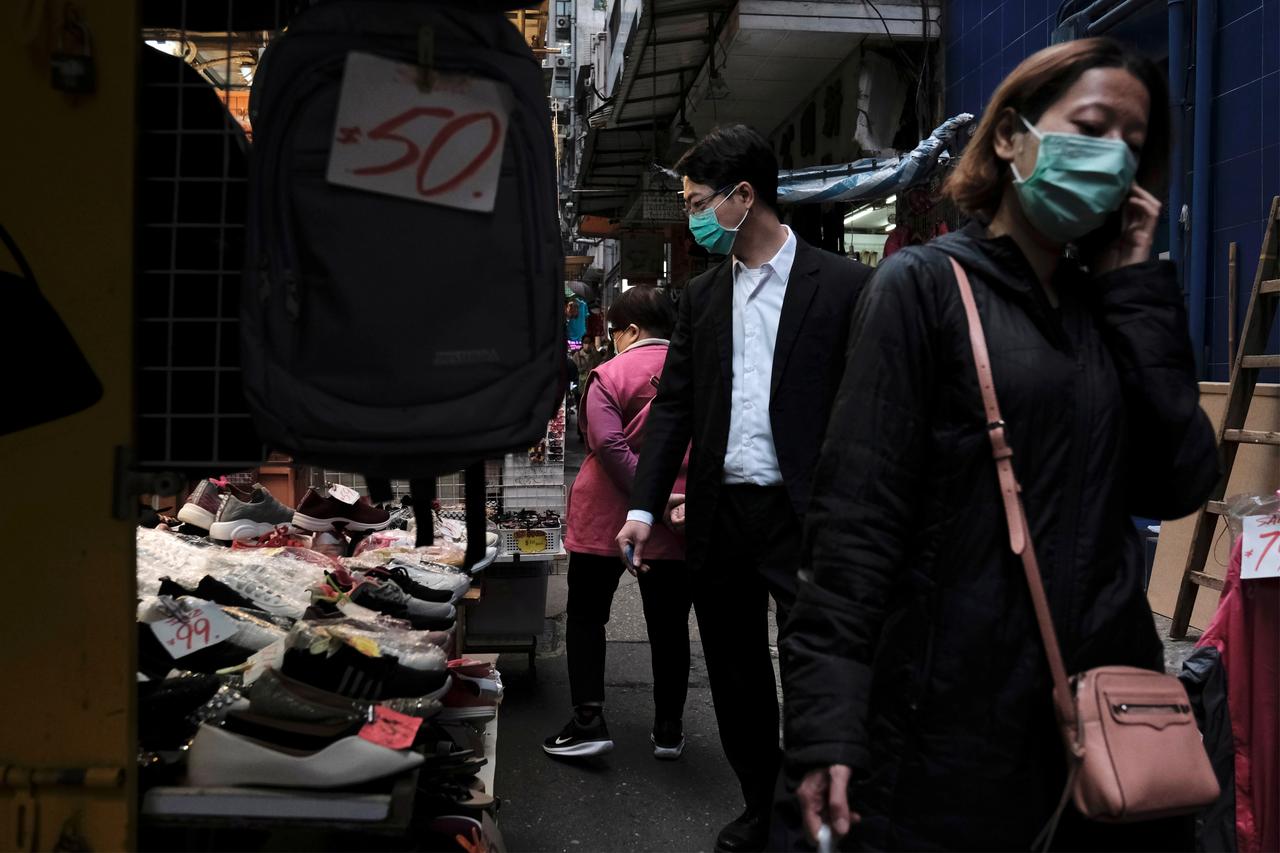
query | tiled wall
[985, 39]
[1246, 153]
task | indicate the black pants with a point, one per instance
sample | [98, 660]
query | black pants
[667, 598]
[755, 554]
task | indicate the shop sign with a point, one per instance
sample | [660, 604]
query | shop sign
[437, 140]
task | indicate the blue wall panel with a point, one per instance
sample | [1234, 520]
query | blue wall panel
[986, 39]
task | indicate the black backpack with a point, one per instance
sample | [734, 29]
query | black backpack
[384, 336]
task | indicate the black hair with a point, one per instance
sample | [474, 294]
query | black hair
[647, 307]
[730, 155]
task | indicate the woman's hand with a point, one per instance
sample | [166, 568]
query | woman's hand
[824, 798]
[1139, 216]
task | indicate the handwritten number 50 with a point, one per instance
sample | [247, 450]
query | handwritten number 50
[413, 154]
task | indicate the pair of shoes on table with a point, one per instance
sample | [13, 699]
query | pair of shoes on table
[322, 513]
[383, 595]
[205, 502]
[356, 675]
[249, 516]
[289, 733]
[475, 694]
[587, 735]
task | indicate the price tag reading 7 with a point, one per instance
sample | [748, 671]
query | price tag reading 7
[443, 146]
[1260, 550]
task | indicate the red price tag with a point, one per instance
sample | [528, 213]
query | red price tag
[441, 145]
[192, 628]
[391, 728]
[1260, 550]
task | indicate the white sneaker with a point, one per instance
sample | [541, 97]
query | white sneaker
[219, 758]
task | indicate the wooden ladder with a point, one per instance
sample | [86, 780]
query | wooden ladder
[1248, 360]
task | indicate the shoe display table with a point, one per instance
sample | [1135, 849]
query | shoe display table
[216, 818]
[505, 612]
[388, 811]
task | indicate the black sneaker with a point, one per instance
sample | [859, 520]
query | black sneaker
[667, 739]
[579, 739]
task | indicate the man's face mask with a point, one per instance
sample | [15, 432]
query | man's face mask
[1078, 180]
[709, 233]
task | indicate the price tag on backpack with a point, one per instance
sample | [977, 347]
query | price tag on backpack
[191, 628]
[1260, 550]
[441, 144]
[391, 728]
[343, 493]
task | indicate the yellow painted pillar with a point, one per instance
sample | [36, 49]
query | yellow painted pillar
[66, 196]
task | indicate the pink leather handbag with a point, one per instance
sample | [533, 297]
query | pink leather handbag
[1133, 748]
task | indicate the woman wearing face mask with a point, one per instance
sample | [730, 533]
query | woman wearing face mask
[615, 405]
[919, 712]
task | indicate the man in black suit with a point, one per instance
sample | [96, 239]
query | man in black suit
[753, 368]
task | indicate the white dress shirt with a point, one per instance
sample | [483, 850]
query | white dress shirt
[758, 294]
[750, 457]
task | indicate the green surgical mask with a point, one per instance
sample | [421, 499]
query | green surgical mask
[1078, 180]
[709, 233]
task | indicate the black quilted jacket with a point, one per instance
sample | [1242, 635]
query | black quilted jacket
[912, 653]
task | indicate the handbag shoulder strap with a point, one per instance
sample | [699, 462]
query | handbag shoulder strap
[1015, 514]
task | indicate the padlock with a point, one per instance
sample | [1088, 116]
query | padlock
[74, 73]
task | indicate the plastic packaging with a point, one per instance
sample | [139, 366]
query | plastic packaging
[390, 636]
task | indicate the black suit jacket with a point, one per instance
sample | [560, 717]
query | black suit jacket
[694, 398]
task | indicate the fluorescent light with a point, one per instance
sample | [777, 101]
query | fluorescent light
[889, 227]
[858, 214]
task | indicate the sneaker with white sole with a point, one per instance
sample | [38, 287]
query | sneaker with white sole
[258, 516]
[580, 739]
[667, 738]
[205, 501]
[322, 513]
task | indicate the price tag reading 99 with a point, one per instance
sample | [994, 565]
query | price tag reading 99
[192, 628]
[196, 630]
[442, 145]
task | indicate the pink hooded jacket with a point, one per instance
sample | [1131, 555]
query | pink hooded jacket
[615, 406]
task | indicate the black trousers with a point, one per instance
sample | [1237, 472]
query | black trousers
[667, 599]
[755, 555]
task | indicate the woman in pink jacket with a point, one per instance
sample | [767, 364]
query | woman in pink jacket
[615, 405]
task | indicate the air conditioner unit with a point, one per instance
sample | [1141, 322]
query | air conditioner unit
[562, 23]
[562, 62]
